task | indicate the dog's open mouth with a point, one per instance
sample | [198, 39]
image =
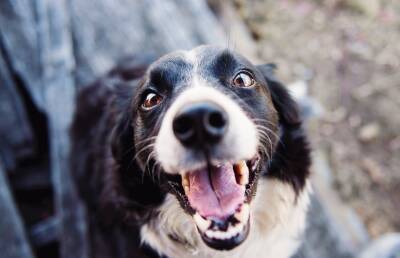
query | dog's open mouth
[219, 196]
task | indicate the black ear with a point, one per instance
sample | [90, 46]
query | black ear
[291, 160]
[287, 108]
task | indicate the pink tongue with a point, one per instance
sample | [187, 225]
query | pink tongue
[218, 196]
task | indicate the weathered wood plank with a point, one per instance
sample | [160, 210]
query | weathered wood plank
[13, 242]
[45, 232]
[16, 136]
[113, 29]
[37, 41]
[59, 94]
[20, 40]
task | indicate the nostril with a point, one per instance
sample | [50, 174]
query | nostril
[183, 128]
[216, 120]
[214, 125]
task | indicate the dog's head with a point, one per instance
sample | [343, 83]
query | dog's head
[207, 122]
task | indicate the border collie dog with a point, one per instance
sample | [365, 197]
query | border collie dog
[196, 154]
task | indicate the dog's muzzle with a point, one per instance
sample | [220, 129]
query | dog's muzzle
[211, 143]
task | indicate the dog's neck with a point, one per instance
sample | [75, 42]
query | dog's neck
[278, 217]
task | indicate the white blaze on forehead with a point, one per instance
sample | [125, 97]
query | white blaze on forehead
[240, 141]
[195, 55]
[191, 56]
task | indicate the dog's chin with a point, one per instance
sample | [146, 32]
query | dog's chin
[229, 242]
[218, 197]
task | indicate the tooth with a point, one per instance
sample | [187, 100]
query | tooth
[231, 231]
[210, 234]
[228, 232]
[243, 214]
[185, 180]
[185, 183]
[202, 224]
[186, 188]
[243, 171]
[218, 234]
[239, 227]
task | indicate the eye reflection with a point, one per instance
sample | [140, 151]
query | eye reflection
[151, 100]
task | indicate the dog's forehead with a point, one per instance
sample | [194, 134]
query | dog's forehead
[211, 57]
[201, 59]
[203, 54]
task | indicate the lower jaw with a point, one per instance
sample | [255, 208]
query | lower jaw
[229, 243]
[226, 234]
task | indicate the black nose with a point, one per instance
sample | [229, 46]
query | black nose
[200, 124]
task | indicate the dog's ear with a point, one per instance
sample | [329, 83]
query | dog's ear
[291, 160]
[287, 108]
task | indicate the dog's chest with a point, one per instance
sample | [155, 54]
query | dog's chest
[277, 222]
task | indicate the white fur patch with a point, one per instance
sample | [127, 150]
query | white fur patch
[277, 222]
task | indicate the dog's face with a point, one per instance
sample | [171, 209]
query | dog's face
[205, 122]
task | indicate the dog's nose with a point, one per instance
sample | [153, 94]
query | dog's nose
[200, 124]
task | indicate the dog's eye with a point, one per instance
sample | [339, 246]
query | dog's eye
[243, 79]
[151, 100]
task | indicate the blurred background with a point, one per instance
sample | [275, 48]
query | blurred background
[339, 58]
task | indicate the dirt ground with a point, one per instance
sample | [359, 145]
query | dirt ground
[352, 55]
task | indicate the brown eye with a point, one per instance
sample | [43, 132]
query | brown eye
[243, 79]
[151, 100]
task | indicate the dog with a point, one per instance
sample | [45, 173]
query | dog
[199, 153]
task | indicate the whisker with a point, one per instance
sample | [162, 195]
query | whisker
[145, 140]
[151, 170]
[154, 170]
[143, 149]
[148, 160]
[136, 145]
[264, 136]
[268, 130]
[255, 120]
